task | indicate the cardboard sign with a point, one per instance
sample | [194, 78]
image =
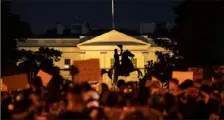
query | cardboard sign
[198, 72]
[182, 76]
[16, 82]
[3, 86]
[45, 77]
[88, 70]
[221, 69]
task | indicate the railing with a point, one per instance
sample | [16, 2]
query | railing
[50, 41]
[39, 43]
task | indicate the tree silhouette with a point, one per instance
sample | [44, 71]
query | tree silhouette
[163, 67]
[197, 36]
[166, 61]
[13, 29]
[31, 62]
[23, 60]
[161, 30]
[199, 32]
[43, 59]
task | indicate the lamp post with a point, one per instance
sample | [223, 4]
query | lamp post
[113, 23]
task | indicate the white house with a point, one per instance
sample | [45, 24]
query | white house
[101, 47]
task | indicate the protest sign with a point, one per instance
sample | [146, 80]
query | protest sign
[198, 72]
[3, 86]
[88, 70]
[221, 69]
[16, 82]
[181, 76]
[45, 77]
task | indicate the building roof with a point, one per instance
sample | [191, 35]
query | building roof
[57, 36]
[85, 38]
[114, 37]
[52, 33]
[112, 43]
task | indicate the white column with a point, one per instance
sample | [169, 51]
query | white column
[103, 56]
[145, 54]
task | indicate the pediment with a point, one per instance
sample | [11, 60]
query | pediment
[113, 37]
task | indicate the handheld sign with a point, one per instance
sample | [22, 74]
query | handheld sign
[198, 72]
[221, 69]
[3, 86]
[89, 70]
[181, 76]
[45, 77]
[16, 82]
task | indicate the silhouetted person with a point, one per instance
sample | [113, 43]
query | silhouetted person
[75, 105]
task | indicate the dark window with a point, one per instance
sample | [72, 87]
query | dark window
[67, 61]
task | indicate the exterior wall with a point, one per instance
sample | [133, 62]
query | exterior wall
[67, 53]
[105, 58]
[29, 48]
[104, 54]
[48, 42]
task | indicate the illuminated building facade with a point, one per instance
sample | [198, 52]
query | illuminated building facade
[101, 47]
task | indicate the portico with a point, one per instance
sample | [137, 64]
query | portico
[100, 47]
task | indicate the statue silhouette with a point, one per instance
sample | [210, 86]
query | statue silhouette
[126, 66]
[117, 65]
[126, 63]
[116, 59]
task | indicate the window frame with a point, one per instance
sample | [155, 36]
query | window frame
[67, 61]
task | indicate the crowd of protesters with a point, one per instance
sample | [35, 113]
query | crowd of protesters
[145, 100]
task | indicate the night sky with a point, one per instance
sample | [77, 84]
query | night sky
[44, 14]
